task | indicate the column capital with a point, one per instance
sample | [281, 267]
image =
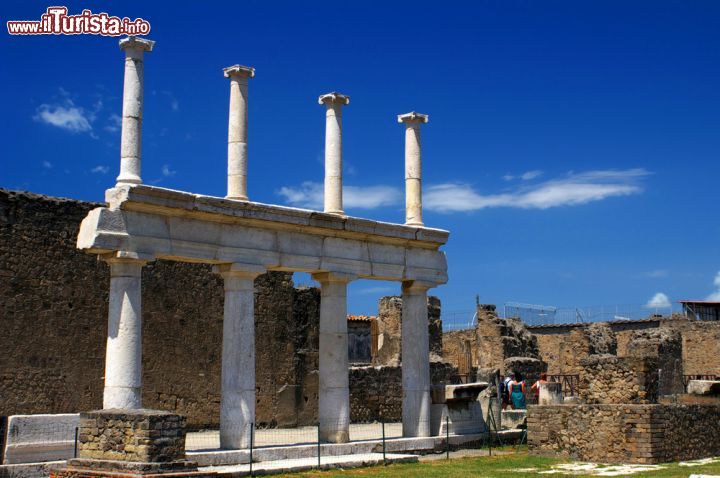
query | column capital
[333, 98]
[239, 270]
[127, 257]
[417, 286]
[413, 118]
[324, 277]
[132, 43]
[239, 71]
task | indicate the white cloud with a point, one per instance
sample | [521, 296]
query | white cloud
[531, 175]
[658, 301]
[174, 103]
[100, 169]
[310, 195]
[715, 296]
[114, 123]
[47, 164]
[573, 189]
[69, 117]
[166, 171]
[569, 190]
[656, 274]
[526, 176]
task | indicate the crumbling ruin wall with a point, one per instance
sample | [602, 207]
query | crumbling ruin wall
[664, 345]
[389, 326]
[564, 351]
[610, 379]
[376, 391]
[500, 339]
[700, 346]
[624, 433]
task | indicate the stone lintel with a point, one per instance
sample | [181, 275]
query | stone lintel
[413, 117]
[239, 71]
[133, 42]
[334, 98]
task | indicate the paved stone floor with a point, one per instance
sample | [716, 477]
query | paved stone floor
[300, 464]
[210, 439]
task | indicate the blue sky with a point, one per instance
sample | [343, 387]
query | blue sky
[573, 148]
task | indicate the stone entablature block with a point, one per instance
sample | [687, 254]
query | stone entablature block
[159, 223]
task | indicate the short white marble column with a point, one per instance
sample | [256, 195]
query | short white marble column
[237, 401]
[238, 131]
[131, 136]
[334, 392]
[333, 151]
[123, 355]
[413, 167]
[415, 360]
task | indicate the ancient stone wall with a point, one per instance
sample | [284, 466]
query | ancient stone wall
[610, 379]
[665, 345]
[624, 433]
[499, 339]
[376, 391]
[53, 304]
[700, 345]
[562, 347]
[53, 326]
[389, 323]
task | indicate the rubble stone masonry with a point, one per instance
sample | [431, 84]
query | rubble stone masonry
[611, 379]
[610, 433]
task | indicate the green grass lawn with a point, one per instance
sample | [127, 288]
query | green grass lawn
[515, 465]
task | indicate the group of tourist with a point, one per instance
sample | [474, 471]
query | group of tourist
[512, 390]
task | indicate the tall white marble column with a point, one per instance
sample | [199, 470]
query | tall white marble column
[238, 131]
[413, 167]
[237, 401]
[334, 392]
[333, 151]
[123, 356]
[131, 136]
[415, 360]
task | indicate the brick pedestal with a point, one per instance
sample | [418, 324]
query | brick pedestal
[130, 443]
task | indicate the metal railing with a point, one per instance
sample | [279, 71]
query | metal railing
[569, 383]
